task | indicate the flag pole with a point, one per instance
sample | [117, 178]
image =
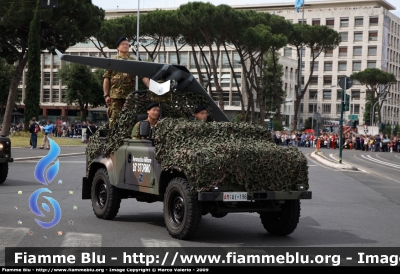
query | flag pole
[300, 75]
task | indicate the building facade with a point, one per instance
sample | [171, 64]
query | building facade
[370, 38]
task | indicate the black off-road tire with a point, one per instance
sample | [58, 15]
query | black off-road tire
[3, 172]
[282, 223]
[182, 211]
[106, 198]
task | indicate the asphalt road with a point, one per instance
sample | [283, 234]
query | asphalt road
[359, 209]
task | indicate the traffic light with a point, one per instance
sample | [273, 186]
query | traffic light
[347, 104]
[353, 124]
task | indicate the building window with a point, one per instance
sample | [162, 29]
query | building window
[236, 61]
[327, 80]
[47, 60]
[303, 65]
[184, 59]
[328, 66]
[315, 68]
[343, 51]
[373, 21]
[316, 22]
[326, 108]
[302, 21]
[372, 50]
[173, 58]
[342, 65]
[371, 64]
[225, 80]
[56, 79]
[358, 36]
[357, 51]
[303, 52]
[328, 52]
[162, 58]
[356, 65]
[314, 80]
[56, 96]
[311, 108]
[345, 36]
[356, 108]
[327, 94]
[339, 94]
[63, 95]
[46, 96]
[313, 92]
[338, 108]
[192, 62]
[358, 22]
[355, 94]
[235, 98]
[344, 22]
[56, 62]
[330, 22]
[287, 52]
[46, 79]
[225, 61]
[373, 36]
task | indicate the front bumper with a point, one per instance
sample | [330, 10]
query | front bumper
[258, 196]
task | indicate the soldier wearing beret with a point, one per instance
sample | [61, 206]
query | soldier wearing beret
[153, 113]
[118, 85]
[200, 113]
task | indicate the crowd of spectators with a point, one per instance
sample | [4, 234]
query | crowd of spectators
[364, 142]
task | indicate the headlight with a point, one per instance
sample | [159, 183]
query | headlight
[1, 146]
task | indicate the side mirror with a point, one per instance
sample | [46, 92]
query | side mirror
[144, 129]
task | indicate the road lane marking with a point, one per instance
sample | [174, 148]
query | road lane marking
[73, 239]
[159, 243]
[368, 157]
[10, 237]
[389, 161]
[375, 172]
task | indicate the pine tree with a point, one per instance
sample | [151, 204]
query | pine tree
[32, 97]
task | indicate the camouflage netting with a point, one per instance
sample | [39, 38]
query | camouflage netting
[208, 153]
[229, 153]
[174, 104]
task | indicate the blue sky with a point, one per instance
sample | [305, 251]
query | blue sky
[129, 4]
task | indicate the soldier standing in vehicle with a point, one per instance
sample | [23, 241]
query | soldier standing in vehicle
[200, 114]
[153, 113]
[118, 85]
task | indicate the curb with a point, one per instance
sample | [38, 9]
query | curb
[319, 158]
[40, 157]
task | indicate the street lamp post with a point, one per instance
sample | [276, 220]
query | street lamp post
[373, 113]
[137, 43]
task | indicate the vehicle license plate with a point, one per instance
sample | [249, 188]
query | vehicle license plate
[235, 196]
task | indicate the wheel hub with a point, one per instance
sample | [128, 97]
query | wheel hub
[177, 210]
[102, 195]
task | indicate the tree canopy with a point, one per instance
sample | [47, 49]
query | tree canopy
[377, 82]
[72, 22]
[84, 87]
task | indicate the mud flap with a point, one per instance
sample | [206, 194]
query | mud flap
[86, 189]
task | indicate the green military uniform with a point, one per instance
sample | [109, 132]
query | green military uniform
[121, 85]
[135, 130]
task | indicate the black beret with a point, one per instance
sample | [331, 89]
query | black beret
[123, 38]
[200, 108]
[151, 105]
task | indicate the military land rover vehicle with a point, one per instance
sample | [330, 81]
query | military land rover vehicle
[193, 168]
[5, 157]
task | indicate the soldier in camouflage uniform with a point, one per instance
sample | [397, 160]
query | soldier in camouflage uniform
[153, 113]
[200, 114]
[118, 85]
